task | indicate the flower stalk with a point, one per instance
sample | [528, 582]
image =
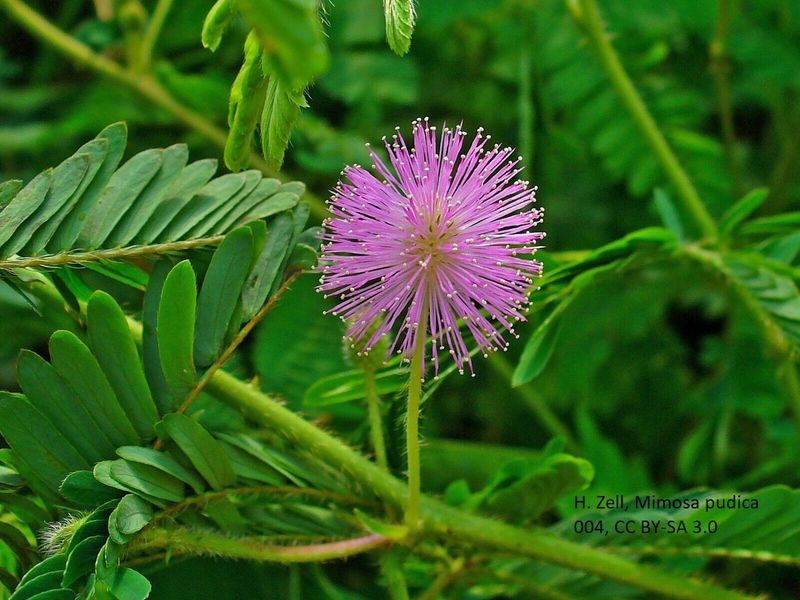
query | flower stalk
[411, 517]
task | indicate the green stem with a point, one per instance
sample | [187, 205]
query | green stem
[720, 66]
[791, 384]
[525, 108]
[143, 84]
[390, 566]
[774, 336]
[78, 258]
[535, 402]
[588, 16]
[755, 556]
[452, 524]
[540, 591]
[786, 167]
[154, 28]
[202, 500]
[395, 579]
[375, 420]
[443, 581]
[196, 542]
[411, 517]
[234, 344]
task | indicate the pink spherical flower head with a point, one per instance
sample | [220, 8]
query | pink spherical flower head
[445, 237]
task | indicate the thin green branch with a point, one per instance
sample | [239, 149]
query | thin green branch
[541, 591]
[535, 402]
[442, 521]
[375, 420]
[395, 578]
[787, 164]
[78, 258]
[774, 336]
[143, 84]
[179, 541]
[235, 343]
[706, 552]
[588, 17]
[174, 510]
[720, 67]
[444, 580]
[154, 27]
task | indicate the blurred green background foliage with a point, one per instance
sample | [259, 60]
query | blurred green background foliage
[660, 377]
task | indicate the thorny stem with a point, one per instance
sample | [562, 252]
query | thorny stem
[77, 258]
[412, 427]
[587, 15]
[192, 541]
[143, 84]
[441, 521]
[720, 68]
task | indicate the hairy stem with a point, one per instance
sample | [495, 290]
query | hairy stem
[390, 565]
[143, 84]
[588, 17]
[78, 258]
[191, 541]
[442, 521]
[174, 510]
[411, 517]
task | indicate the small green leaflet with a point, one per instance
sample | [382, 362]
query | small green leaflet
[113, 345]
[65, 180]
[204, 452]
[175, 329]
[400, 16]
[220, 294]
[216, 22]
[74, 218]
[281, 110]
[74, 361]
[163, 462]
[81, 559]
[142, 478]
[130, 516]
[737, 213]
[247, 99]
[262, 278]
